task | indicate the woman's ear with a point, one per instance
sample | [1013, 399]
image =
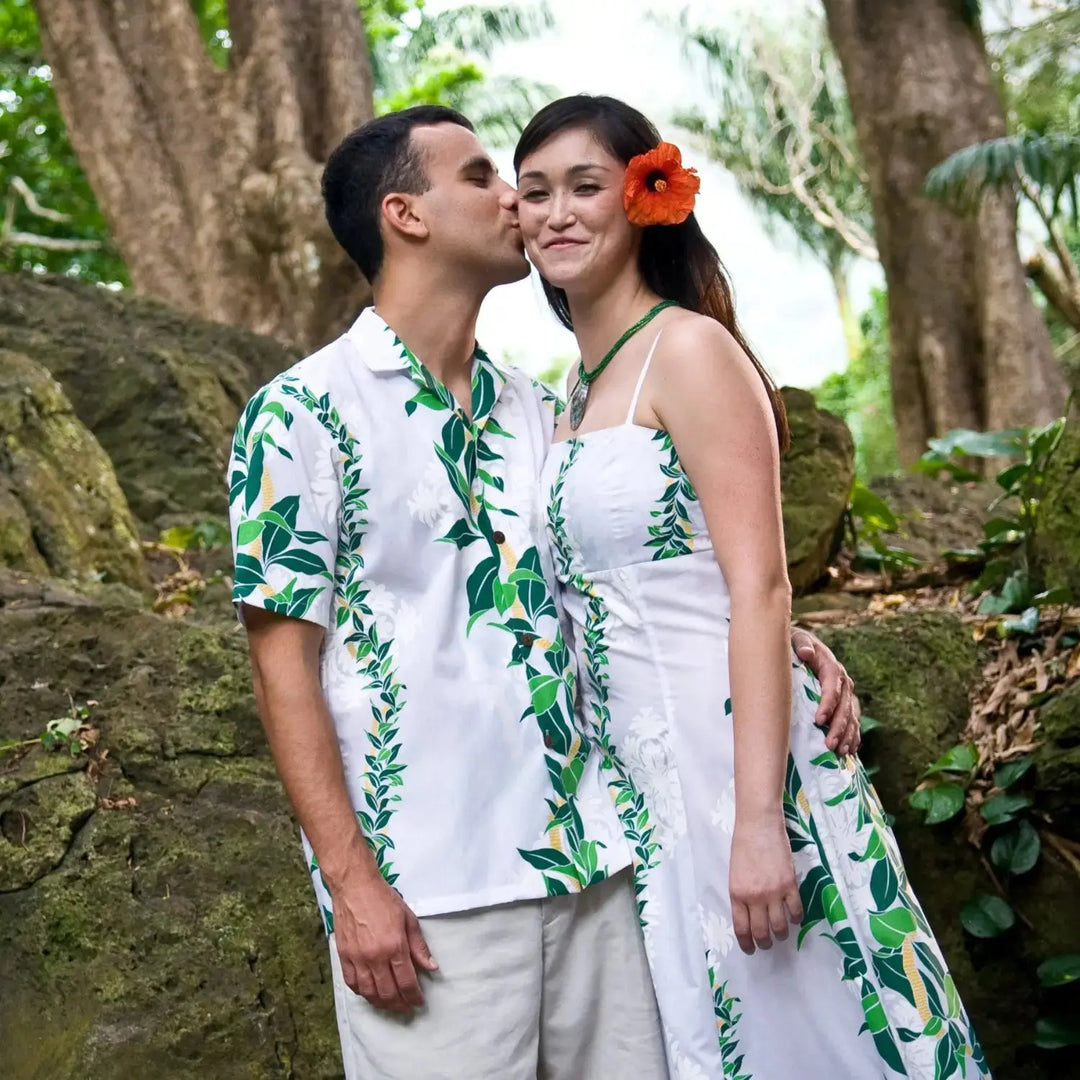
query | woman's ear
[400, 213]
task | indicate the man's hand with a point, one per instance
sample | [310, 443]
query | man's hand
[379, 941]
[839, 707]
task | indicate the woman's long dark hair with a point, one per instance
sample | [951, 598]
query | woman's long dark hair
[677, 261]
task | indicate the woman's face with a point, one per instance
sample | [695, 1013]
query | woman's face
[570, 205]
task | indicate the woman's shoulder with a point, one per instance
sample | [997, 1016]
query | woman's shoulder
[693, 342]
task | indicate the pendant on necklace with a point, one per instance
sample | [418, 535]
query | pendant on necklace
[578, 400]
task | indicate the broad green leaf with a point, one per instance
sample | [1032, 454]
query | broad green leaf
[182, 537]
[1027, 623]
[544, 690]
[982, 444]
[1052, 1033]
[1018, 850]
[1006, 775]
[874, 510]
[891, 928]
[960, 759]
[941, 802]
[868, 723]
[504, 595]
[1009, 479]
[986, 916]
[1003, 808]
[1059, 970]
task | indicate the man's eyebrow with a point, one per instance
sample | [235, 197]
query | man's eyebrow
[478, 164]
[574, 170]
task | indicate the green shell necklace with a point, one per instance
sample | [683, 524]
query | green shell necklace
[580, 397]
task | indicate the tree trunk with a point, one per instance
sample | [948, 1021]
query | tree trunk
[209, 179]
[969, 348]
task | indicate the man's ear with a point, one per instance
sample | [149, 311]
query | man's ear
[400, 213]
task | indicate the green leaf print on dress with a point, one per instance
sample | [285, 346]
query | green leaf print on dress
[727, 1020]
[629, 802]
[901, 958]
[508, 592]
[674, 534]
[382, 776]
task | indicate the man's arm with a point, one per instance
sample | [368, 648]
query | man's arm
[378, 938]
[839, 707]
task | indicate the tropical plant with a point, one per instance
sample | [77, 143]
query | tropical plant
[1038, 63]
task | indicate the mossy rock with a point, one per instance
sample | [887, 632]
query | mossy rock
[914, 674]
[62, 512]
[1058, 537]
[175, 937]
[160, 389]
[1058, 760]
[816, 474]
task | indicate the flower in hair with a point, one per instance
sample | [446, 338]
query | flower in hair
[657, 189]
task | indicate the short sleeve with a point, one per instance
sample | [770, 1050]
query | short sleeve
[284, 497]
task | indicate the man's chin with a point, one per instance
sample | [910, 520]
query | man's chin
[514, 270]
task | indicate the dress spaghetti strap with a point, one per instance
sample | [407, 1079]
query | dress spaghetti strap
[641, 381]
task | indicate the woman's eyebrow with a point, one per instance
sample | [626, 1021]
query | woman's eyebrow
[574, 170]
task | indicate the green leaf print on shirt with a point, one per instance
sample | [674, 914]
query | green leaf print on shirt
[382, 776]
[267, 529]
[508, 592]
[901, 958]
[674, 534]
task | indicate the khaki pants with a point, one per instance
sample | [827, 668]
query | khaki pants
[553, 989]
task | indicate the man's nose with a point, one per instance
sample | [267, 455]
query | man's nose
[508, 197]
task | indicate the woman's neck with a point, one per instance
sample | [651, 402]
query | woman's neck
[600, 318]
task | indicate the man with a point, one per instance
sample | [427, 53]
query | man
[409, 663]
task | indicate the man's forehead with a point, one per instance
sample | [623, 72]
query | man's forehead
[448, 144]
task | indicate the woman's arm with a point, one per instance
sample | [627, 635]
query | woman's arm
[707, 395]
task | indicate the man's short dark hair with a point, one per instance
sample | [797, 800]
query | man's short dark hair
[366, 166]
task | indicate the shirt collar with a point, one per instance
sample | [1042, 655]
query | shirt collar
[382, 350]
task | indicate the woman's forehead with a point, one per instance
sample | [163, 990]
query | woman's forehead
[575, 148]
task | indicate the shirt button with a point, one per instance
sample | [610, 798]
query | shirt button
[549, 742]
[498, 537]
[526, 640]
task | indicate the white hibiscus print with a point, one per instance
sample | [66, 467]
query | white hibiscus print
[723, 812]
[683, 1068]
[325, 490]
[432, 501]
[719, 934]
[395, 619]
[649, 758]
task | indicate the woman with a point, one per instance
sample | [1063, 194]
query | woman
[664, 516]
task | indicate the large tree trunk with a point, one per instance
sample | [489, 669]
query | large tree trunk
[209, 179]
[969, 348]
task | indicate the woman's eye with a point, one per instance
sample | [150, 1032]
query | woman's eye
[533, 196]
[587, 189]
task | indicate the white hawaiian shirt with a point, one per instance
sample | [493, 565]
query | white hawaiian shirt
[362, 499]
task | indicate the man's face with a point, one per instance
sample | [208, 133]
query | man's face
[470, 212]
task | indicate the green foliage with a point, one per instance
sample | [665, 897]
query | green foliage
[71, 733]
[945, 784]
[870, 518]
[861, 395]
[202, 536]
[1008, 581]
[418, 58]
[415, 57]
[1059, 970]
[987, 916]
[34, 147]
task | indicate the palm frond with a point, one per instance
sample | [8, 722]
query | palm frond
[500, 107]
[479, 29]
[1050, 162]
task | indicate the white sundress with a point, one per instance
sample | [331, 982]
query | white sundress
[862, 991]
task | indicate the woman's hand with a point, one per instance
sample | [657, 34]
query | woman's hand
[762, 884]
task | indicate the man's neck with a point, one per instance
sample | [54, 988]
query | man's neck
[436, 323]
[601, 318]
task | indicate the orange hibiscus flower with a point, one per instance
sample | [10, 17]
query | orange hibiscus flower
[657, 189]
